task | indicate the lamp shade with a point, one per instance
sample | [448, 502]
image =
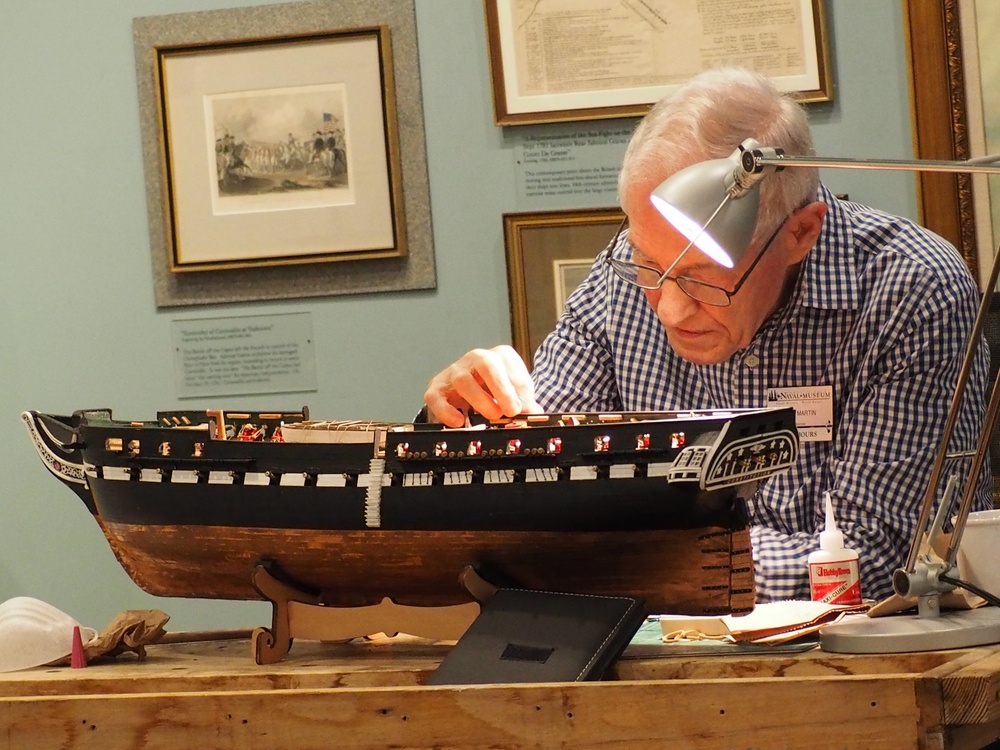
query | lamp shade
[699, 203]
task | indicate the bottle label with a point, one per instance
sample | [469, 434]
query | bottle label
[835, 582]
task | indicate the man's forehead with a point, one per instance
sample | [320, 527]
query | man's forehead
[695, 260]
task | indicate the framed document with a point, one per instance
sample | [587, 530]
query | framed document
[549, 253]
[562, 60]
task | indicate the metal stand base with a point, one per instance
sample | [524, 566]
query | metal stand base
[898, 633]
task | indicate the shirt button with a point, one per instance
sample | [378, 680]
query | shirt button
[752, 361]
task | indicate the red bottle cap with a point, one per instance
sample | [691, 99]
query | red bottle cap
[78, 659]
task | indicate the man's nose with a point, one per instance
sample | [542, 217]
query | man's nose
[672, 305]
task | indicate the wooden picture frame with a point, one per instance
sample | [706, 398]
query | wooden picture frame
[941, 121]
[980, 25]
[274, 164]
[609, 63]
[548, 254]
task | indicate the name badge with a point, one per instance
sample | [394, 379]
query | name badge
[813, 410]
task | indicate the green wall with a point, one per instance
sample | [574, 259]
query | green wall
[81, 328]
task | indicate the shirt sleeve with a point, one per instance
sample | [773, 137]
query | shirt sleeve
[573, 367]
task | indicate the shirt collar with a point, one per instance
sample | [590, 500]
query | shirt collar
[829, 276]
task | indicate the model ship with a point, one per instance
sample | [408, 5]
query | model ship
[644, 504]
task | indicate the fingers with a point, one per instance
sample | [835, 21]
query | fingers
[520, 380]
[494, 382]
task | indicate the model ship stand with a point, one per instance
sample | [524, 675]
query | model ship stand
[299, 614]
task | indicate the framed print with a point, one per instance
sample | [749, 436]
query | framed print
[562, 60]
[297, 166]
[274, 161]
[941, 125]
[549, 253]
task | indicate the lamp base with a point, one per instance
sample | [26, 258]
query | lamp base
[898, 633]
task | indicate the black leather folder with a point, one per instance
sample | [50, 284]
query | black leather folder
[522, 635]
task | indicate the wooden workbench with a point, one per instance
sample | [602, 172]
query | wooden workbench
[370, 695]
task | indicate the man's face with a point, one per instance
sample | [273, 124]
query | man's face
[700, 333]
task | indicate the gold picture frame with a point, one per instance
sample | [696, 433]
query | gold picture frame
[941, 120]
[980, 24]
[606, 60]
[548, 254]
[273, 158]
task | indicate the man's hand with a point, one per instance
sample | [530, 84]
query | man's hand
[494, 382]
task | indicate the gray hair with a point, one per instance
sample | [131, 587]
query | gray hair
[708, 118]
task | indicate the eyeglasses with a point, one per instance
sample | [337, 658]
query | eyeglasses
[647, 277]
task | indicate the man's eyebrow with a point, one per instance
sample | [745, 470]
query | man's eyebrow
[638, 256]
[704, 264]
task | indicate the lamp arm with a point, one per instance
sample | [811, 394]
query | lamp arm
[953, 411]
[982, 447]
[985, 164]
[990, 421]
[907, 581]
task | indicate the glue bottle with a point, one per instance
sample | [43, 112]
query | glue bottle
[834, 576]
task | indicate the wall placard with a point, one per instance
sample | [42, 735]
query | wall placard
[244, 355]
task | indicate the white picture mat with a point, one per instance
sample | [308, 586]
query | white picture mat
[205, 236]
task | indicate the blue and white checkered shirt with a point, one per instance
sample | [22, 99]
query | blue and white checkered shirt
[881, 311]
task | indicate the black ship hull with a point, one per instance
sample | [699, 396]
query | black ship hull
[649, 505]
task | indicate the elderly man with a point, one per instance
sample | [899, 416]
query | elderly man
[865, 309]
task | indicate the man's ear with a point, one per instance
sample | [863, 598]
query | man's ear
[804, 226]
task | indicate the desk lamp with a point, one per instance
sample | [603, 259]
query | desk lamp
[714, 205]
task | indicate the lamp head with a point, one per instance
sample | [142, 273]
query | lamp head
[714, 203]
